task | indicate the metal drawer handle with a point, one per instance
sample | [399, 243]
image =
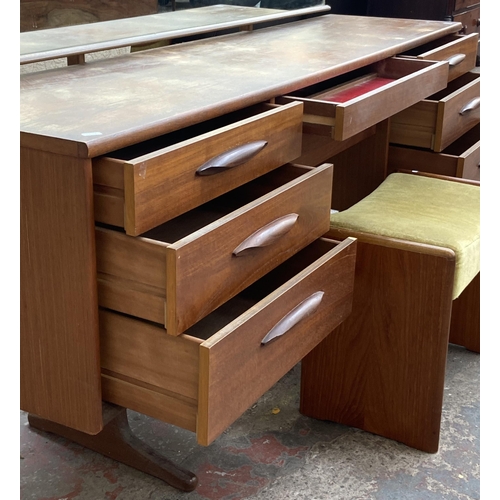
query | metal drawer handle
[232, 158]
[302, 311]
[456, 59]
[470, 106]
[267, 234]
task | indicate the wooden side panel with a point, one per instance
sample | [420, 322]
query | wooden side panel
[236, 369]
[60, 372]
[360, 169]
[415, 126]
[383, 369]
[148, 400]
[465, 317]
[144, 352]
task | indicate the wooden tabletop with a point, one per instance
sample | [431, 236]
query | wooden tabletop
[88, 110]
[69, 41]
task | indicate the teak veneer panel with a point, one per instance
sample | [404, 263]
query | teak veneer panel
[59, 330]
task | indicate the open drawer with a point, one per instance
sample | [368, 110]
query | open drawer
[182, 270]
[440, 119]
[142, 186]
[341, 110]
[459, 159]
[206, 378]
[459, 50]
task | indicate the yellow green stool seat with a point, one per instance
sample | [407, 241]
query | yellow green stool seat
[416, 289]
[424, 210]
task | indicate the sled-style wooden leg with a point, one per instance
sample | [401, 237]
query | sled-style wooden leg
[117, 441]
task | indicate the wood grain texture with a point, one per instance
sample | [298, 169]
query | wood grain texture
[198, 272]
[59, 331]
[450, 123]
[465, 317]
[135, 31]
[160, 185]
[382, 370]
[233, 356]
[460, 159]
[458, 44]
[436, 122]
[123, 100]
[361, 169]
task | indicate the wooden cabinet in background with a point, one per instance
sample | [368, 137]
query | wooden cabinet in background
[40, 15]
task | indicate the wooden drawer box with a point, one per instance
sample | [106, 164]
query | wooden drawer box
[459, 50]
[143, 186]
[460, 159]
[179, 272]
[206, 378]
[342, 110]
[439, 120]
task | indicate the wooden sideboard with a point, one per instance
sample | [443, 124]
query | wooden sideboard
[173, 203]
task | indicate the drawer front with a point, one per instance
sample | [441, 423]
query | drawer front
[214, 381]
[437, 122]
[393, 84]
[184, 280]
[142, 192]
[460, 159]
[460, 52]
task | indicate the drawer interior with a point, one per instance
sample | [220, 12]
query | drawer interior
[153, 145]
[432, 45]
[228, 312]
[356, 84]
[464, 143]
[454, 86]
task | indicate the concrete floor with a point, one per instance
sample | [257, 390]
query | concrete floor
[274, 453]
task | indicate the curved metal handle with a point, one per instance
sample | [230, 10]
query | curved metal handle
[456, 59]
[302, 311]
[267, 234]
[470, 106]
[232, 158]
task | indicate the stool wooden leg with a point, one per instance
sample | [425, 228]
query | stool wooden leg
[383, 369]
[465, 317]
[117, 441]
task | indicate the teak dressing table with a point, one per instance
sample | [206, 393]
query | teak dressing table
[170, 250]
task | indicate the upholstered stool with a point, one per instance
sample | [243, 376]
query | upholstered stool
[416, 289]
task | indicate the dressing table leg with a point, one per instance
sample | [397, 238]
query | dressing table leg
[117, 441]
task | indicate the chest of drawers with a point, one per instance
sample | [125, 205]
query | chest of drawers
[171, 237]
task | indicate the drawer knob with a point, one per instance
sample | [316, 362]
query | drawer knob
[470, 106]
[231, 158]
[267, 234]
[302, 311]
[456, 59]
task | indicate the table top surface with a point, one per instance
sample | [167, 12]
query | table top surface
[107, 104]
[67, 41]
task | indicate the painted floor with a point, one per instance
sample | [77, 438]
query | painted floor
[274, 453]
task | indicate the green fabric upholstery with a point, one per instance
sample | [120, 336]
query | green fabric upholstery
[424, 210]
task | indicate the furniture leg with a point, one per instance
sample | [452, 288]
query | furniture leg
[117, 441]
[465, 317]
[382, 370]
